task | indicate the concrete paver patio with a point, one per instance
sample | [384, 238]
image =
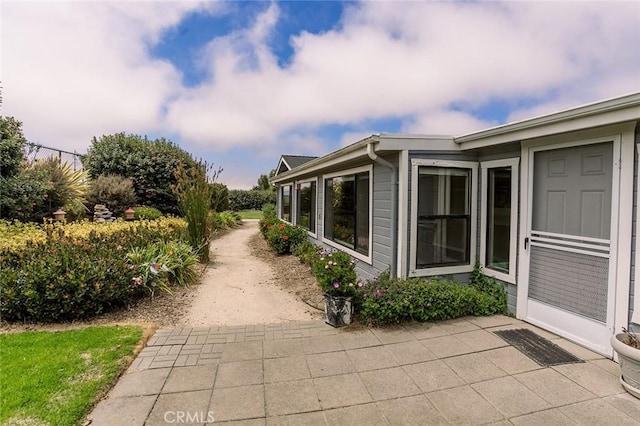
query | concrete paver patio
[307, 373]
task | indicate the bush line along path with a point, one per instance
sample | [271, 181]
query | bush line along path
[238, 288]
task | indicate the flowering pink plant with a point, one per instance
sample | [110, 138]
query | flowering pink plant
[335, 273]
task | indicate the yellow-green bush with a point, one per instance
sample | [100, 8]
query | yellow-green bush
[58, 272]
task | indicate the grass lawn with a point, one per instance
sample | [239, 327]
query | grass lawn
[56, 377]
[250, 214]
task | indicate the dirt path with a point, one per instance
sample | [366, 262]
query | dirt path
[238, 288]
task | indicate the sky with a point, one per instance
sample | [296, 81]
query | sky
[238, 83]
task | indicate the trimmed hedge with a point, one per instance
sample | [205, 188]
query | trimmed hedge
[386, 300]
[250, 200]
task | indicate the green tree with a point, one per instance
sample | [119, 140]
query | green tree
[264, 184]
[22, 189]
[150, 164]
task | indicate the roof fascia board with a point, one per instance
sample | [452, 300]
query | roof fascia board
[604, 111]
[350, 152]
[552, 126]
[415, 143]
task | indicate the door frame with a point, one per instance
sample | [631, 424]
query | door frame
[618, 292]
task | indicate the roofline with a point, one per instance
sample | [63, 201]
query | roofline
[321, 162]
[583, 111]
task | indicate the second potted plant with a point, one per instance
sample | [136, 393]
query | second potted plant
[335, 272]
[627, 345]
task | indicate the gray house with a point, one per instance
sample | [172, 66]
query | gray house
[548, 205]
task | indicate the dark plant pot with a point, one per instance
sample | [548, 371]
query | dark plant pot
[629, 359]
[337, 310]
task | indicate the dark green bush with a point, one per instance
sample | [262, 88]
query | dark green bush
[386, 300]
[114, 191]
[250, 200]
[150, 164]
[144, 212]
[488, 285]
[281, 237]
[269, 211]
[335, 273]
[68, 278]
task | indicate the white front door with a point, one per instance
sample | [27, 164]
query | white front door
[571, 272]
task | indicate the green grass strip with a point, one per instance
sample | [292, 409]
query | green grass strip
[55, 377]
[250, 214]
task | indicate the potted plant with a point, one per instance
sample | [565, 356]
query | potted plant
[627, 345]
[335, 272]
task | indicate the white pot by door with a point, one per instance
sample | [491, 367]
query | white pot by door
[571, 220]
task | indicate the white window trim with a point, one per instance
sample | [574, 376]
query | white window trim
[443, 270]
[313, 233]
[368, 259]
[513, 221]
[291, 210]
[635, 317]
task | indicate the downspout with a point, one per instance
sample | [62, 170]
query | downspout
[394, 205]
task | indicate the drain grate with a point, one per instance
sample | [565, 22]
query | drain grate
[541, 350]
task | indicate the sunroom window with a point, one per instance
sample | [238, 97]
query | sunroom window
[285, 202]
[306, 206]
[346, 220]
[499, 218]
[444, 217]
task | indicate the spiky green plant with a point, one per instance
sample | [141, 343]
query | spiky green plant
[194, 192]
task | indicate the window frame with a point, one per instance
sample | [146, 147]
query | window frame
[473, 208]
[514, 163]
[369, 169]
[312, 232]
[291, 203]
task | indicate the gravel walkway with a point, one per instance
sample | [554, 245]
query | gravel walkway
[238, 288]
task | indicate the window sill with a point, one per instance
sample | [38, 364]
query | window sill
[441, 270]
[352, 253]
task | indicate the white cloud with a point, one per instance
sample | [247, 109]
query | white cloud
[75, 70]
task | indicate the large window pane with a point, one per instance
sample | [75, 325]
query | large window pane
[443, 217]
[347, 211]
[498, 218]
[285, 198]
[306, 206]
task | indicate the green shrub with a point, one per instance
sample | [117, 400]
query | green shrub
[254, 199]
[489, 286]
[266, 223]
[113, 191]
[230, 219]
[65, 186]
[150, 164]
[66, 277]
[386, 300]
[306, 252]
[281, 237]
[75, 210]
[162, 264]
[146, 213]
[335, 273]
[269, 211]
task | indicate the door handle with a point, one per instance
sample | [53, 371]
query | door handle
[526, 242]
